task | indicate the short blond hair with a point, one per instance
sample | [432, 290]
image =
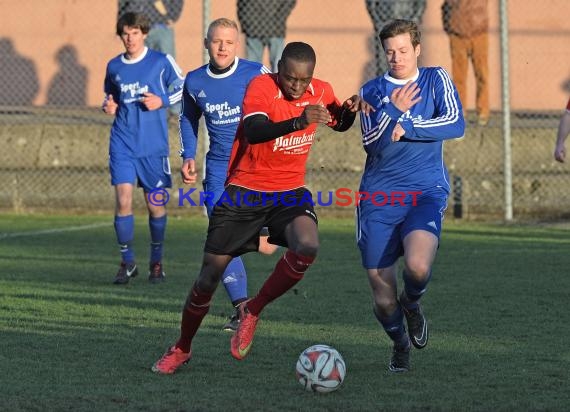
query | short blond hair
[222, 22]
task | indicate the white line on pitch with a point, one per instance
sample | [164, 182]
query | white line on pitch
[52, 231]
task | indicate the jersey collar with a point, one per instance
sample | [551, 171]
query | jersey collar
[133, 61]
[226, 74]
[401, 81]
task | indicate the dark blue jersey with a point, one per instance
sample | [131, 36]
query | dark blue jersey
[136, 131]
[415, 163]
[218, 97]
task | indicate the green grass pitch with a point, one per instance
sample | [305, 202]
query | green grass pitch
[497, 307]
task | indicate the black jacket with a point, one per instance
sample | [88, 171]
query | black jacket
[264, 18]
[173, 8]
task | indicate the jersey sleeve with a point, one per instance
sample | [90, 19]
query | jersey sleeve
[189, 121]
[256, 99]
[447, 122]
[377, 126]
[173, 83]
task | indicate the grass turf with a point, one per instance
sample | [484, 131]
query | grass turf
[497, 307]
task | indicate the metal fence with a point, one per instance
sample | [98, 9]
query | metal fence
[54, 138]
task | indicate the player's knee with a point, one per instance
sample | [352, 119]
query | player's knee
[212, 270]
[417, 270]
[307, 247]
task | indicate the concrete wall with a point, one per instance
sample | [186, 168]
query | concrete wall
[340, 31]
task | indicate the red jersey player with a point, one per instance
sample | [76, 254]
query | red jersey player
[265, 188]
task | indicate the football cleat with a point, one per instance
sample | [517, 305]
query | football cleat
[171, 360]
[417, 326]
[232, 324]
[400, 361]
[126, 271]
[155, 273]
[242, 338]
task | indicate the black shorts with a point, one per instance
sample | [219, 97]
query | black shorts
[240, 214]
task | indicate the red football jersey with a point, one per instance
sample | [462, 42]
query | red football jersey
[568, 105]
[279, 164]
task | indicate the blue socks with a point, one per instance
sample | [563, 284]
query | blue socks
[414, 290]
[125, 230]
[394, 327]
[235, 281]
[157, 229]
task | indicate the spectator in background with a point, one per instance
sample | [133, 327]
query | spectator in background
[383, 11]
[264, 24]
[467, 24]
[563, 132]
[162, 15]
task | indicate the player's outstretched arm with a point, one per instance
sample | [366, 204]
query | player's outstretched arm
[258, 128]
[346, 113]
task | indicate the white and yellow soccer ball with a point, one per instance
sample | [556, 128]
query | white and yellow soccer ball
[320, 368]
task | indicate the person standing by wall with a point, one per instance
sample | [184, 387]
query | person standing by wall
[264, 23]
[563, 132]
[162, 15]
[467, 24]
[381, 12]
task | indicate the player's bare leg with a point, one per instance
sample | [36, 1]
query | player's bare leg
[389, 313]
[195, 309]
[420, 248]
[303, 240]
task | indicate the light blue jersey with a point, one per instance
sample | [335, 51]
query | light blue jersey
[415, 163]
[218, 97]
[136, 131]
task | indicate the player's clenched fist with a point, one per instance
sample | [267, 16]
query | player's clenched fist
[109, 105]
[313, 113]
[188, 171]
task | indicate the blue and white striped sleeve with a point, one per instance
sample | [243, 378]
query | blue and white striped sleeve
[172, 81]
[377, 126]
[448, 121]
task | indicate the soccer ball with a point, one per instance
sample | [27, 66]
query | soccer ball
[320, 368]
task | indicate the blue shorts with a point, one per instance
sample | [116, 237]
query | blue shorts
[380, 235]
[148, 172]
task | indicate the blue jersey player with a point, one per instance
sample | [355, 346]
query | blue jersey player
[405, 184]
[140, 84]
[216, 91]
